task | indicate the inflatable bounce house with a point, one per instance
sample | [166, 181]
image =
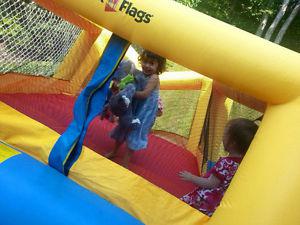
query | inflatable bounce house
[57, 61]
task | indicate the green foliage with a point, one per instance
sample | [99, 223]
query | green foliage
[247, 15]
[189, 3]
[8, 27]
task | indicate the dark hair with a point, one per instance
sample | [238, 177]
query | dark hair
[150, 55]
[241, 131]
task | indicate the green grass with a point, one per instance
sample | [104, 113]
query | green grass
[32, 68]
[179, 107]
[179, 110]
[239, 110]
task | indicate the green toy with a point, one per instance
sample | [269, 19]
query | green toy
[126, 80]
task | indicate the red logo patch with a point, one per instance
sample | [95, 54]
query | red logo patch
[111, 5]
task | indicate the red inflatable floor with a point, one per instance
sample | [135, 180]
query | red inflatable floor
[159, 163]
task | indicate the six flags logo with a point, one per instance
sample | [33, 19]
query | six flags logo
[128, 8]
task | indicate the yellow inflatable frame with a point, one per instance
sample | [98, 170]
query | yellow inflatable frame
[266, 188]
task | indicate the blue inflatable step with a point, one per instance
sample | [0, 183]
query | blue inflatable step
[36, 194]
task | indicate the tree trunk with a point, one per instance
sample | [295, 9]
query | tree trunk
[233, 4]
[264, 21]
[262, 25]
[287, 23]
[277, 19]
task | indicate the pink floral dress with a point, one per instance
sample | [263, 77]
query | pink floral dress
[207, 200]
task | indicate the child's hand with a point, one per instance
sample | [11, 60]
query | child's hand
[185, 175]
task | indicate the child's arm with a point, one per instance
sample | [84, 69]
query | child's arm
[160, 107]
[210, 182]
[152, 83]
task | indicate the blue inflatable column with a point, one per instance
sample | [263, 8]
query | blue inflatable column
[88, 105]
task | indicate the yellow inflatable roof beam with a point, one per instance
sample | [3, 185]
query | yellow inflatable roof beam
[201, 43]
[240, 97]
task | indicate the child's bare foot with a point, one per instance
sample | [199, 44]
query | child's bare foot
[110, 155]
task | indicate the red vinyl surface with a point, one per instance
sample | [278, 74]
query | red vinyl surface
[159, 163]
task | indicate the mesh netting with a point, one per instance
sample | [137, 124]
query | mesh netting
[178, 113]
[32, 40]
[239, 110]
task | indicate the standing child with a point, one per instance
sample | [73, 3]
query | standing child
[145, 105]
[238, 135]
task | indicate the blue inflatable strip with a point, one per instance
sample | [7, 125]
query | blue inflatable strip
[36, 194]
[210, 164]
[87, 106]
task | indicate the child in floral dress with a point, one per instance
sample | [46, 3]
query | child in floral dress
[206, 198]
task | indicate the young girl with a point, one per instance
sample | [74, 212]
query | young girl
[145, 106]
[238, 135]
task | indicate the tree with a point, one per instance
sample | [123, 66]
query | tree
[189, 3]
[287, 23]
[264, 20]
[261, 17]
[277, 19]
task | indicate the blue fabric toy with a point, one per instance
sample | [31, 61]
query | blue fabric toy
[121, 105]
